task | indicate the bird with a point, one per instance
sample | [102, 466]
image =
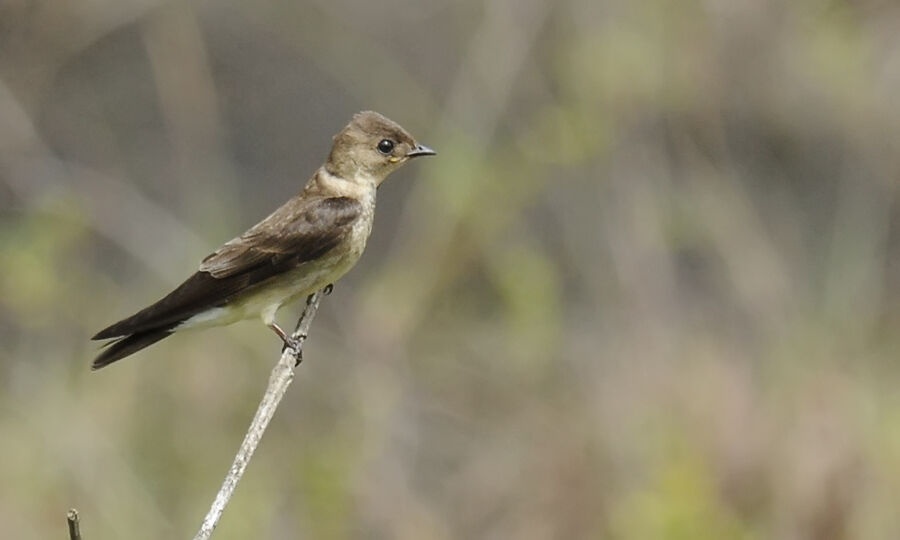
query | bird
[303, 246]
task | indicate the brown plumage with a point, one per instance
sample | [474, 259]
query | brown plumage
[310, 241]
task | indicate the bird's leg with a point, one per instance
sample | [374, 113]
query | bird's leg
[328, 288]
[289, 342]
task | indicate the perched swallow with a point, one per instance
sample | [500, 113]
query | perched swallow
[306, 244]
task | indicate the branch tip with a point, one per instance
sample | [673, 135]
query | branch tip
[74, 528]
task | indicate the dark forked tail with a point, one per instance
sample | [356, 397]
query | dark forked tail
[128, 345]
[160, 319]
[197, 294]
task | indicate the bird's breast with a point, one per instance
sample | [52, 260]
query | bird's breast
[312, 276]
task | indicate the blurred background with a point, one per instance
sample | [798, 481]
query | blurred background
[649, 288]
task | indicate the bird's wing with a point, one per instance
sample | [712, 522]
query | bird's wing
[295, 233]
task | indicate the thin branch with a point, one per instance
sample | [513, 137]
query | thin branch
[74, 528]
[279, 380]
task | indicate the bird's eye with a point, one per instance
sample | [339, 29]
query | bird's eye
[385, 146]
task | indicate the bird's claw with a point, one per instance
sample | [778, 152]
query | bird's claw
[296, 344]
[328, 288]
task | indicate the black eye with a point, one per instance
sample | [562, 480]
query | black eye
[385, 146]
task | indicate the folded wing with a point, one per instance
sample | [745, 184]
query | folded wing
[299, 231]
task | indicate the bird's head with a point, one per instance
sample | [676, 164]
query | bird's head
[372, 146]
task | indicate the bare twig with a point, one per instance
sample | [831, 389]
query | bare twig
[74, 528]
[279, 380]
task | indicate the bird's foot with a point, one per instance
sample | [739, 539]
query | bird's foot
[326, 290]
[296, 344]
[290, 342]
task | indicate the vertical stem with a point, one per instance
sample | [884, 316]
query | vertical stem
[279, 380]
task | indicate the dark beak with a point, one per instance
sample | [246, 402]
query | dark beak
[420, 150]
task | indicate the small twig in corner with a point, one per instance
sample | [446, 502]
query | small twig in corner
[74, 529]
[279, 380]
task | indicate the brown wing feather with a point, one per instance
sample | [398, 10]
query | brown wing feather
[293, 234]
[308, 230]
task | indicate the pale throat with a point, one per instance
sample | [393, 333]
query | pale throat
[362, 186]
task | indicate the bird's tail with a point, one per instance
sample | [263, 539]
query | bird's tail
[128, 345]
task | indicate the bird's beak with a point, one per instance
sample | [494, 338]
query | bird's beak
[420, 150]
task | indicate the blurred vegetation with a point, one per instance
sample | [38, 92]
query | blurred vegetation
[648, 288]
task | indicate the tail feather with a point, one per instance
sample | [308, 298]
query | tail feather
[128, 345]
